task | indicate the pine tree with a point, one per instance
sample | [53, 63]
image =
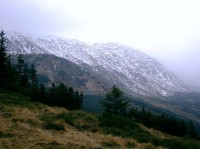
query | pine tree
[42, 93]
[192, 132]
[71, 96]
[81, 99]
[33, 75]
[3, 58]
[20, 69]
[78, 100]
[20, 64]
[115, 102]
[25, 77]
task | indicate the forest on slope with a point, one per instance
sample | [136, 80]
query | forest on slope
[115, 120]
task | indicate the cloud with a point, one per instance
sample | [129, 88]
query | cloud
[167, 30]
[33, 17]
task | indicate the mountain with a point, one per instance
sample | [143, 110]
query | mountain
[53, 69]
[130, 69]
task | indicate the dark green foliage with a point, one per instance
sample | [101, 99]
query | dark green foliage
[181, 144]
[67, 117]
[54, 126]
[17, 78]
[58, 96]
[33, 75]
[20, 66]
[80, 120]
[91, 103]
[130, 145]
[42, 93]
[115, 102]
[110, 144]
[50, 122]
[163, 123]
[3, 55]
[192, 131]
[124, 127]
[24, 76]
[7, 72]
[48, 118]
[6, 135]
[24, 79]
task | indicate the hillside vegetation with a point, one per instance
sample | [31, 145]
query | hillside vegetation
[35, 125]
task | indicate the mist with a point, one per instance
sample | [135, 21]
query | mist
[166, 30]
[185, 65]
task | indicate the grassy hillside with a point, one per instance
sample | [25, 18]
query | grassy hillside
[34, 125]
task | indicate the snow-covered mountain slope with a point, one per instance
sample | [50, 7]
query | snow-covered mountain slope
[53, 69]
[130, 69]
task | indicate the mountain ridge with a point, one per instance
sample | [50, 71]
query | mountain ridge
[130, 69]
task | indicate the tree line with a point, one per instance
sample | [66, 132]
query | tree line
[115, 103]
[58, 95]
[22, 77]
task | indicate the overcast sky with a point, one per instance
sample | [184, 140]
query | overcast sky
[168, 30]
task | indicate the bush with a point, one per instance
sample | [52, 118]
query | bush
[121, 126]
[80, 120]
[110, 144]
[54, 126]
[181, 144]
[67, 117]
[6, 135]
[48, 118]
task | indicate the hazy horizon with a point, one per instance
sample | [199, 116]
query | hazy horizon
[168, 31]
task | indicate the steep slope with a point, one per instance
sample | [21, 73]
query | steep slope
[53, 69]
[132, 70]
[35, 125]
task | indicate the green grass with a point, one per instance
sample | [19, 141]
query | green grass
[8, 98]
[84, 121]
[80, 120]
[50, 122]
[123, 127]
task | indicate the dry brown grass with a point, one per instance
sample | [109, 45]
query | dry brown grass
[21, 127]
[156, 132]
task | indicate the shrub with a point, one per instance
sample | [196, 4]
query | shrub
[54, 126]
[110, 144]
[6, 135]
[121, 126]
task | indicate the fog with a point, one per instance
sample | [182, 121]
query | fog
[166, 30]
